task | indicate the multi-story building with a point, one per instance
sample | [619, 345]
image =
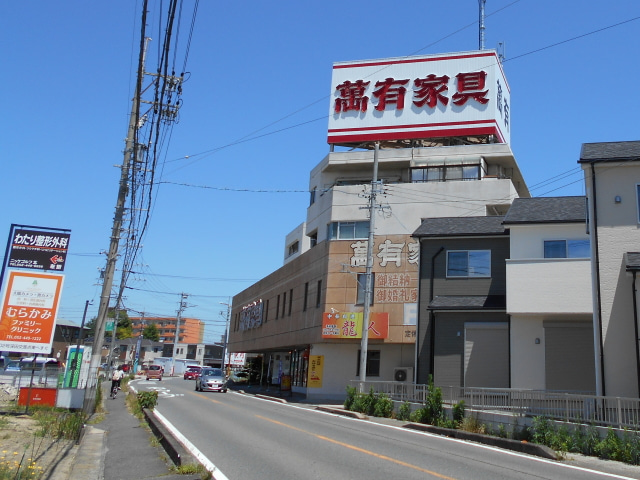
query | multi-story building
[463, 328]
[306, 317]
[612, 181]
[191, 329]
[549, 295]
[506, 301]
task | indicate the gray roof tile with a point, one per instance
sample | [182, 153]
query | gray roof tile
[460, 226]
[547, 210]
[468, 302]
[610, 151]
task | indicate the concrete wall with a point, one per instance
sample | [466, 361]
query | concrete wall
[341, 364]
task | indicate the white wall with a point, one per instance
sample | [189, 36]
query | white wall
[549, 286]
[527, 241]
[340, 366]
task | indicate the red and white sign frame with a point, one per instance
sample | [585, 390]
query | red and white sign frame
[29, 311]
[445, 95]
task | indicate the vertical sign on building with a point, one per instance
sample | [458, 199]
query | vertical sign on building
[316, 365]
[29, 310]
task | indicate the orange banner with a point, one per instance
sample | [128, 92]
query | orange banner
[349, 325]
[29, 310]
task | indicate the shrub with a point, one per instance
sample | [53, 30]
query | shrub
[147, 400]
[458, 412]
[351, 398]
[404, 411]
[383, 406]
[473, 425]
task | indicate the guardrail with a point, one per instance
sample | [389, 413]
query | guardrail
[618, 412]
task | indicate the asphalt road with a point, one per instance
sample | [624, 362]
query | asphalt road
[249, 438]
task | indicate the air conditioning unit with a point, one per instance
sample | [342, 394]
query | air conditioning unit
[403, 374]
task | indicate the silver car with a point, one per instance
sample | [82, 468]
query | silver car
[211, 380]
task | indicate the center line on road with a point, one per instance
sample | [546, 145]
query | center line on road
[358, 449]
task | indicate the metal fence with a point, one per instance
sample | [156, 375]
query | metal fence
[617, 412]
[40, 377]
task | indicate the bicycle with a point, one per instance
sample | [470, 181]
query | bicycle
[114, 391]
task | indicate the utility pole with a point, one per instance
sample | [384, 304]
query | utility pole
[226, 332]
[183, 305]
[368, 290]
[123, 191]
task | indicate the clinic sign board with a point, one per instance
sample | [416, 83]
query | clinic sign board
[445, 95]
[38, 249]
[29, 309]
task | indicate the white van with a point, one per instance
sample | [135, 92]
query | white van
[41, 363]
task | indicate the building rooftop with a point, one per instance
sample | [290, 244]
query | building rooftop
[610, 151]
[460, 226]
[468, 302]
[547, 210]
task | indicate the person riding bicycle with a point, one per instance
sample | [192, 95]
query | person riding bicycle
[115, 380]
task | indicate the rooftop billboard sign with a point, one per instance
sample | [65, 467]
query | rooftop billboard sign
[445, 95]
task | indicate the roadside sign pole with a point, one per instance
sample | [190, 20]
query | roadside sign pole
[33, 370]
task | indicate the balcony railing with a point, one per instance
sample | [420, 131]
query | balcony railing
[617, 412]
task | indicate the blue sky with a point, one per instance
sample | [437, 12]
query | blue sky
[254, 121]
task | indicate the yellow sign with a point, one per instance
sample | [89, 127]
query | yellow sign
[316, 363]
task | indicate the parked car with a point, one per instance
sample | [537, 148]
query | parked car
[239, 377]
[192, 372]
[211, 380]
[13, 366]
[154, 371]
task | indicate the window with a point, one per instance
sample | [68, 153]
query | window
[567, 248]
[278, 307]
[266, 312]
[290, 300]
[312, 196]
[373, 363]
[294, 247]
[284, 304]
[445, 173]
[362, 279]
[306, 295]
[319, 294]
[348, 230]
[313, 239]
[469, 263]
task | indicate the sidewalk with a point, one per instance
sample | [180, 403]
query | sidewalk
[120, 448]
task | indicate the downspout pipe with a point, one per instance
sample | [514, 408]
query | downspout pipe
[432, 316]
[635, 326]
[597, 279]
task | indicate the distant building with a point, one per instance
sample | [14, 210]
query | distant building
[191, 329]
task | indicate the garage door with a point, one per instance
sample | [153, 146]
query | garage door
[569, 357]
[486, 355]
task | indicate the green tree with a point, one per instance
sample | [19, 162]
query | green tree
[151, 332]
[90, 328]
[125, 327]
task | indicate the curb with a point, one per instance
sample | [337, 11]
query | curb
[174, 449]
[341, 411]
[505, 443]
[268, 397]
